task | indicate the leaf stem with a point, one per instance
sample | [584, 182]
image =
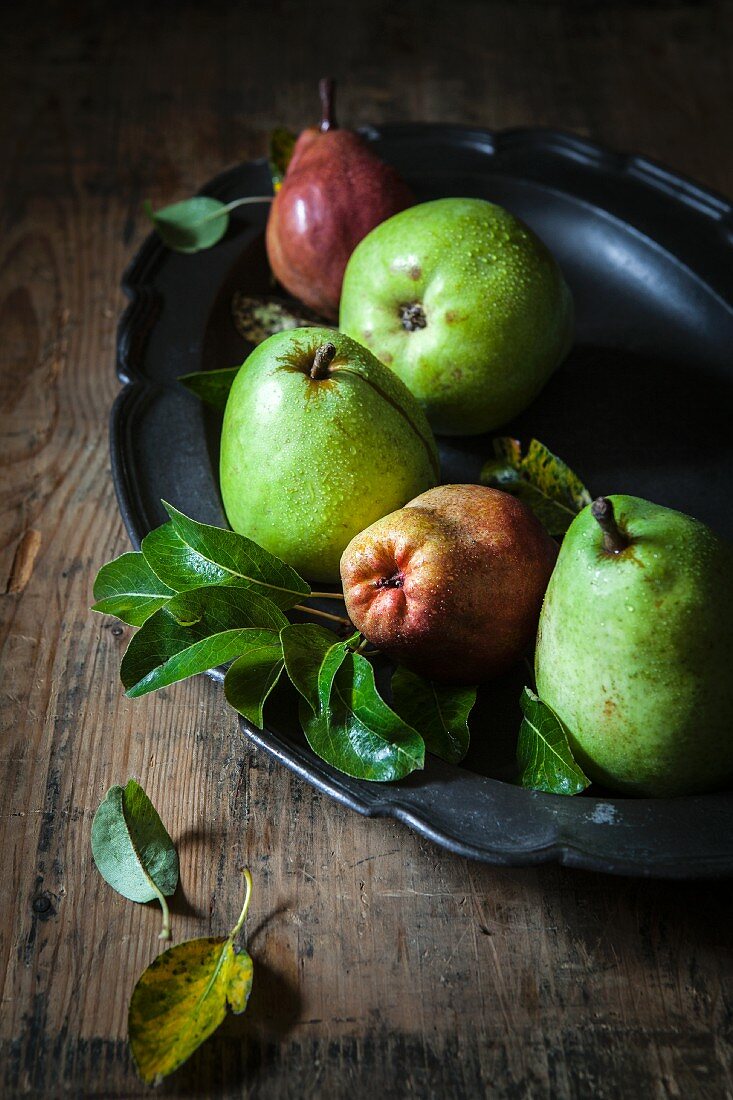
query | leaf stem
[326, 596]
[165, 930]
[247, 897]
[227, 209]
[322, 614]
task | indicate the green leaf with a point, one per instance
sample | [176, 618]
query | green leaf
[132, 849]
[313, 656]
[205, 555]
[183, 996]
[191, 225]
[253, 676]
[257, 318]
[544, 756]
[196, 223]
[282, 143]
[172, 559]
[540, 479]
[194, 632]
[437, 711]
[211, 386]
[359, 734]
[129, 589]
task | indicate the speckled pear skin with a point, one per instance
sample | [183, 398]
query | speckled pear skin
[635, 651]
[498, 313]
[451, 585]
[307, 463]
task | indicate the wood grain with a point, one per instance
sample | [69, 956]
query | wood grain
[383, 964]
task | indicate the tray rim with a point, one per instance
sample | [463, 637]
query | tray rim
[379, 800]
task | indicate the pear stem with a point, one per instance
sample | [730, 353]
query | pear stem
[327, 92]
[614, 541]
[322, 361]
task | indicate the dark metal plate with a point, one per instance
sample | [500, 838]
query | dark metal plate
[642, 405]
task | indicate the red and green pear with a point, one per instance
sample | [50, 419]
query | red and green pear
[451, 585]
[335, 190]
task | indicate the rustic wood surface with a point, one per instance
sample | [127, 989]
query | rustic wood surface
[384, 966]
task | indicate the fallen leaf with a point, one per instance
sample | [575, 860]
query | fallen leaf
[132, 849]
[183, 996]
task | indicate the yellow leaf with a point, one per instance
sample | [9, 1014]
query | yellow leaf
[182, 998]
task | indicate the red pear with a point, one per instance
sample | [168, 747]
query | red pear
[335, 191]
[452, 584]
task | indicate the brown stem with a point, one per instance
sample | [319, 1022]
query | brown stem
[614, 540]
[327, 92]
[322, 614]
[322, 360]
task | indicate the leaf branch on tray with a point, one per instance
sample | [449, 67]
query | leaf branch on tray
[204, 597]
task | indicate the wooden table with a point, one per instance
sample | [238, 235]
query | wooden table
[384, 966]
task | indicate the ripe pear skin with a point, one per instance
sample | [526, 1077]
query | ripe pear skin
[335, 190]
[306, 461]
[466, 304]
[451, 585]
[635, 650]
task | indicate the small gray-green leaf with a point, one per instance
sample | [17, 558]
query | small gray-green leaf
[211, 386]
[129, 589]
[313, 656]
[359, 734]
[438, 712]
[244, 563]
[191, 225]
[253, 676]
[544, 756]
[132, 849]
[194, 632]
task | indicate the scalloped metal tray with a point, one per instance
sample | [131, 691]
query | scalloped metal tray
[642, 405]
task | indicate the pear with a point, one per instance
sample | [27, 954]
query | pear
[335, 190]
[319, 439]
[461, 300]
[635, 648]
[451, 585]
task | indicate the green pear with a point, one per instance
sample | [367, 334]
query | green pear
[319, 440]
[465, 304]
[635, 648]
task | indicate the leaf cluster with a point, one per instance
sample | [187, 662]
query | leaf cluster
[204, 597]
